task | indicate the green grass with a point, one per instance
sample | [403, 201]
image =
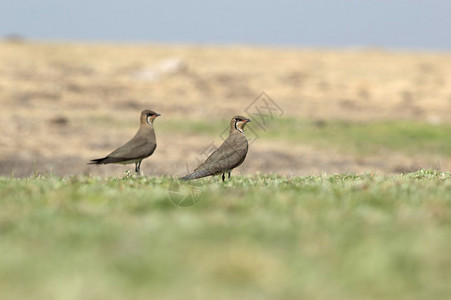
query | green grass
[262, 237]
[369, 137]
[409, 137]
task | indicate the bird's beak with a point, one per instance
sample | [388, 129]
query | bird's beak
[248, 120]
[158, 115]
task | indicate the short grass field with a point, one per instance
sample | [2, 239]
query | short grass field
[69, 230]
[258, 237]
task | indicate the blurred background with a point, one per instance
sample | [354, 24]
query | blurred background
[349, 86]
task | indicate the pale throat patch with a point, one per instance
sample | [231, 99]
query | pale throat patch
[238, 125]
[149, 120]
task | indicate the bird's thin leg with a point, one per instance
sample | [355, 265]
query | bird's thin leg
[223, 177]
[229, 173]
[137, 167]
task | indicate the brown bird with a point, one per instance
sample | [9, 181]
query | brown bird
[228, 156]
[141, 146]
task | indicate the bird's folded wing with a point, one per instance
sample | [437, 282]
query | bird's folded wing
[136, 148]
[226, 157]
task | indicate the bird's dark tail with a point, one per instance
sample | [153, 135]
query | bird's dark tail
[97, 161]
[106, 160]
[195, 175]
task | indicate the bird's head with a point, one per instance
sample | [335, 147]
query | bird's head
[238, 123]
[147, 116]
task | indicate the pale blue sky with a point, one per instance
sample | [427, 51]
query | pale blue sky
[412, 24]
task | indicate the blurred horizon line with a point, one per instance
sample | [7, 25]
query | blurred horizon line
[18, 38]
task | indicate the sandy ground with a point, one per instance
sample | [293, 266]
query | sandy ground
[63, 104]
